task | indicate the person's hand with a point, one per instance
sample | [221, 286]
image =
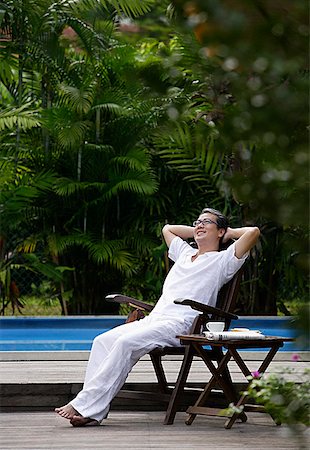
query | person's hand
[227, 236]
[246, 238]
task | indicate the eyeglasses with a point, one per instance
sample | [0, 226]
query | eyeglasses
[203, 222]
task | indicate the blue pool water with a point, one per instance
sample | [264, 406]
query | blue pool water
[77, 333]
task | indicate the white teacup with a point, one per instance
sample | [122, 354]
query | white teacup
[215, 326]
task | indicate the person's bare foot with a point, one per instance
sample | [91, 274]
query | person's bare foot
[67, 411]
[79, 421]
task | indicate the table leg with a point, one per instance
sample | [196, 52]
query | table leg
[217, 376]
[269, 357]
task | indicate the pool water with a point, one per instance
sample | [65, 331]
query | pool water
[78, 332]
[53, 333]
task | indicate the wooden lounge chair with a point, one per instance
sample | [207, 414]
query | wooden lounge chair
[171, 395]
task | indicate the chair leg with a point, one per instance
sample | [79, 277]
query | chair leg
[179, 386]
[159, 371]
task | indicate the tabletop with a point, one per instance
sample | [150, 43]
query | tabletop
[200, 339]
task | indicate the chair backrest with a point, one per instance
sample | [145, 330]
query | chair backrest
[226, 301]
[227, 296]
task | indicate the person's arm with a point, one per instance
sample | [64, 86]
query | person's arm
[246, 238]
[171, 231]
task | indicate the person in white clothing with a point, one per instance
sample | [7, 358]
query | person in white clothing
[197, 274]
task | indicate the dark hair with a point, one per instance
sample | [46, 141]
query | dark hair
[221, 220]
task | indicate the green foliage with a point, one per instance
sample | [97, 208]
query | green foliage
[287, 402]
[42, 300]
[191, 151]
[247, 81]
[104, 141]
[22, 118]
[24, 259]
[128, 7]
[36, 305]
[66, 184]
[257, 89]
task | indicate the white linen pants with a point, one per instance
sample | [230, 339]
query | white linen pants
[113, 355]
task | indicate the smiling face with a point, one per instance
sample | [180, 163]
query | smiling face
[208, 233]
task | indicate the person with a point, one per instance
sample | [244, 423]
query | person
[197, 274]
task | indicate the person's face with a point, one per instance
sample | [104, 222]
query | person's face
[205, 228]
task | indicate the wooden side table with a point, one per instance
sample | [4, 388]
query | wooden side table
[273, 343]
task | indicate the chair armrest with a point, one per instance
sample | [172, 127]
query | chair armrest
[206, 309]
[119, 298]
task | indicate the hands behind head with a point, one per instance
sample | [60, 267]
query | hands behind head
[227, 236]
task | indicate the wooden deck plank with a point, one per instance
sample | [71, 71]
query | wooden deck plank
[124, 429]
[83, 355]
[73, 371]
[34, 384]
[140, 431]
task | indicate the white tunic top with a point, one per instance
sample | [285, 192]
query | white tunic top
[199, 280]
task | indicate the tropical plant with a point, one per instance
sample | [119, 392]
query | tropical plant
[95, 132]
[254, 102]
[91, 144]
[286, 401]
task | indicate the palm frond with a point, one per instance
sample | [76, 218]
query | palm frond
[140, 242]
[132, 7]
[66, 186]
[127, 7]
[80, 100]
[112, 109]
[89, 38]
[23, 117]
[19, 203]
[101, 148]
[8, 65]
[49, 270]
[190, 151]
[7, 169]
[135, 158]
[139, 182]
[112, 252]
[66, 126]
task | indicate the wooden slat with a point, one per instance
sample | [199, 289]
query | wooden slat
[203, 410]
[73, 371]
[44, 384]
[140, 431]
[254, 408]
[84, 355]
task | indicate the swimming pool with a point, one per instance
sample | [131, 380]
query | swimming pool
[77, 332]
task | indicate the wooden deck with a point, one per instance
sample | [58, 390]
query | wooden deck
[38, 380]
[141, 431]
[32, 384]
